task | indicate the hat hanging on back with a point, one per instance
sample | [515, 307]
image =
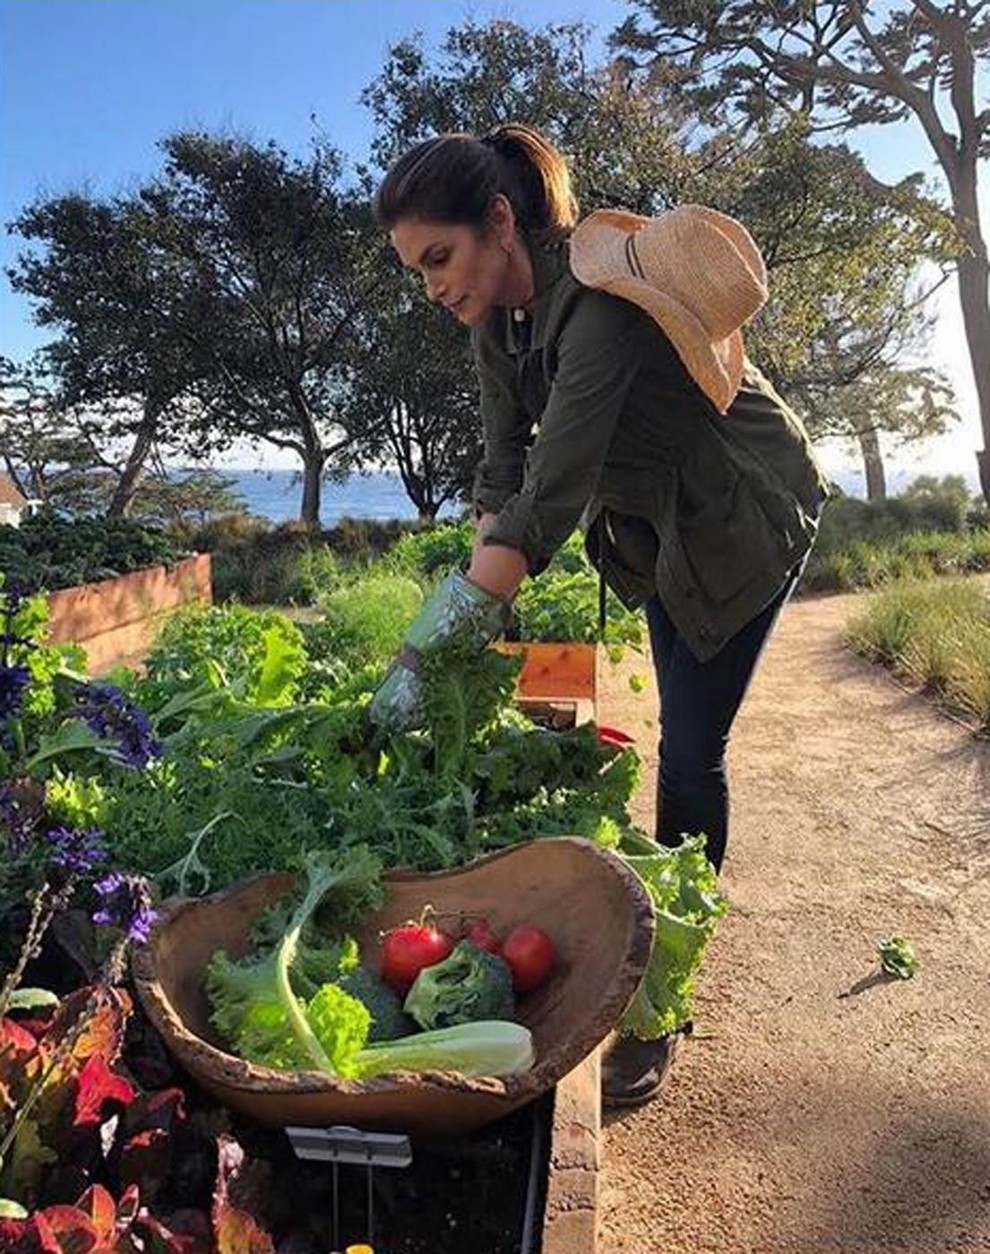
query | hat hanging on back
[696, 272]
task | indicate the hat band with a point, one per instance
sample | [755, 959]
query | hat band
[632, 257]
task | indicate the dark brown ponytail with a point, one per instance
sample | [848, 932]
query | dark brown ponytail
[454, 178]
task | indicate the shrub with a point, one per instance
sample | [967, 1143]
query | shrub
[365, 620]
[871, 564]
[429, 554]
[50, 551]
[935, 633]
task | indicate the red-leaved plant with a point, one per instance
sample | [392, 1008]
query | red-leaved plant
[91, 1135]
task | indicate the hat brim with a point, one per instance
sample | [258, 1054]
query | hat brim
[598, 259]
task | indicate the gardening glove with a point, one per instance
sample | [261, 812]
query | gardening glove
[454, 605]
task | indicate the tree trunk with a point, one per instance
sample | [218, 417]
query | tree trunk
[309, 510]
[876, 480]
[127, 484]
[974, 276]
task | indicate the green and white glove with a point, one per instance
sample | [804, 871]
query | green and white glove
[454, 605]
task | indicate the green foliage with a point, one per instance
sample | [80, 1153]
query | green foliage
[687, 906]
[847, 518]
[48, 551]
[462, 692]
[433, 552]
[365, 618]
[257, 656]
[258, 564]
[255, 1005]
[936, 634]
[873, 564]
[243, 786]
[897, 957]
[561, 605]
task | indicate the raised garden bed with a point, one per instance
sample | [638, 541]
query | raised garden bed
[560, 679]
[115, 620]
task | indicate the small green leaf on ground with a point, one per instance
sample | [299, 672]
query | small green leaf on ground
[897, 957]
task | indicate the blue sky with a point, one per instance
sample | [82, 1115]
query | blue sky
[87, 87]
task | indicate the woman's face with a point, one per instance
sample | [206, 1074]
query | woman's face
[464, 270]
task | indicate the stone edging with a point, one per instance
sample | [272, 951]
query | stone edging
[570, 1224]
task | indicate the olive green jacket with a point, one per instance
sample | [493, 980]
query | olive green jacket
[590, 417]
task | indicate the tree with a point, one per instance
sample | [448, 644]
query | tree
[414, 384]
[69, 457]
[184, 500]
[845, 66]
[47, 455]
[846, 319]
[287, 260]
[624, 149]
[130, 323]
[950, 495]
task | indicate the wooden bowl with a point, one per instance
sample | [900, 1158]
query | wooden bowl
[587, 899]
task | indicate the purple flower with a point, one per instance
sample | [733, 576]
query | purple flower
[12, 597]
[126, 904]
[20, 814]
[13, 681]
[108, 713]
[76, 851]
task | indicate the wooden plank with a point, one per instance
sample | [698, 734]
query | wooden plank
[556, 670]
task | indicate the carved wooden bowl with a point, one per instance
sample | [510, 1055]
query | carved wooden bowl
[587, 899]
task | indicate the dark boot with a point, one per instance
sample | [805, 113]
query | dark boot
[634, 1071]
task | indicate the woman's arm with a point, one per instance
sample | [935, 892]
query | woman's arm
[494, 567]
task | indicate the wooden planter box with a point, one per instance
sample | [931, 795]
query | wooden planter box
[116, 620]
[557, 675]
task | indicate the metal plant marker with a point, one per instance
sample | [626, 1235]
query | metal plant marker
[355, 1146]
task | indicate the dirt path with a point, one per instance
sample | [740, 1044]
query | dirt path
[810, 1112]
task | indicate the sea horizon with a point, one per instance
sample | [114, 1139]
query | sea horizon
[275, 493]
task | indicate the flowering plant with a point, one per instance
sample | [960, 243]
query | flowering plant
[83, 1150]
[60, 733]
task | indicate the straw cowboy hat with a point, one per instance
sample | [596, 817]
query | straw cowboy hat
[696, 272]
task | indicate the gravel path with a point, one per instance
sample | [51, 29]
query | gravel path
[817, 1109]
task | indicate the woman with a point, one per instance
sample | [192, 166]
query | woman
[614, 394]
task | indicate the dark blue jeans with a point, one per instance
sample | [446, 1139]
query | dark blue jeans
[698, 702]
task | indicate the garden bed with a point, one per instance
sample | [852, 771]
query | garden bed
[115, 620]
[249, 736]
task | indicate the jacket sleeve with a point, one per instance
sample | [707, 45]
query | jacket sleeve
[598, 351]
[507, 430]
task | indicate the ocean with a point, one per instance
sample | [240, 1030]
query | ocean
[276, 494]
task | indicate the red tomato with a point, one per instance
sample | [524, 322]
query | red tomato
[407, 949]
[531, 956]
[480, 933]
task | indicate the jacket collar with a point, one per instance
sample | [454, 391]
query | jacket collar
[524, 329]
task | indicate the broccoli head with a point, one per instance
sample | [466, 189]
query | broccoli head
[388, 1020]
[469, 985]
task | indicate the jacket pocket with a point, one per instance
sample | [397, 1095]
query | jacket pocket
[728, 542]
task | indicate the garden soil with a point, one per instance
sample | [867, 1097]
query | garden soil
[819, 1107]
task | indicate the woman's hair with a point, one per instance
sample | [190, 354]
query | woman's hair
[453, 178]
